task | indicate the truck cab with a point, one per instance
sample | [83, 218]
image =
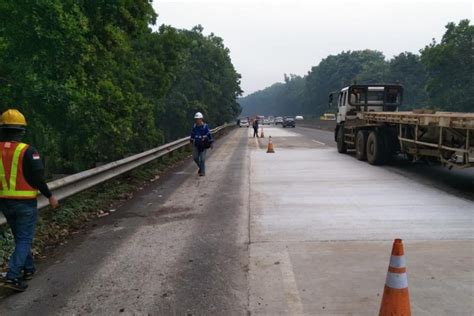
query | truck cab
[366, 98]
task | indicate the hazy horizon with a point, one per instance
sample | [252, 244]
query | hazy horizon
[270, 38]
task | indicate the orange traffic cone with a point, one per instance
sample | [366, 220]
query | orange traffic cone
[270, 146]
[261, 134]
[395, 300]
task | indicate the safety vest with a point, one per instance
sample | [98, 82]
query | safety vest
[13, 184]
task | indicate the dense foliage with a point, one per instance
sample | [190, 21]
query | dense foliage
[96, 83]
[441, 77]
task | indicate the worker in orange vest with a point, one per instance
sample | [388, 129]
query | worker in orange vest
[21, 176]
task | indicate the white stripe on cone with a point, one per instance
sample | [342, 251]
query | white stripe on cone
[397, 280]
[397, 262]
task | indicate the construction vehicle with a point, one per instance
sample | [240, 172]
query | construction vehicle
[368, 121]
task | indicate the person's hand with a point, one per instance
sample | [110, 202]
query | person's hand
[53, 202]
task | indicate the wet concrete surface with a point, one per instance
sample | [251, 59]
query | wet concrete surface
[322, 225]
[303, 231]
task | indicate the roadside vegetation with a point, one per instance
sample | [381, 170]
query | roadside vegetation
[440, 77]
[96, 83]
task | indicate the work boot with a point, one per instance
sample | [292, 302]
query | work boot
[202, 174]
[16, 285]
[28, 275]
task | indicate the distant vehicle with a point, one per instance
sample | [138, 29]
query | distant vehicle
[299, 118]
[279, 120]
[244, 123]
[289, 122]
[328, 117]
[266, 122]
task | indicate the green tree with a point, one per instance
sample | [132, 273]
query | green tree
[97, 84]
[335, 72]
[449, 66]
[407, 69]
[205, 81]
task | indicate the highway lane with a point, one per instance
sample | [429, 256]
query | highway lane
[456, 182]
[322, 226]
[304, 231]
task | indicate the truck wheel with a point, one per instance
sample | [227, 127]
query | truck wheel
[361, 144]
[375, 148]
[341, 146]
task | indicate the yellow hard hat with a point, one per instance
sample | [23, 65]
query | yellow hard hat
[12, 118]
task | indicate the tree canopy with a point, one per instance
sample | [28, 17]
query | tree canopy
[97, 84]
[439, 77]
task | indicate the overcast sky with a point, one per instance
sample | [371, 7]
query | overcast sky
[269, 38]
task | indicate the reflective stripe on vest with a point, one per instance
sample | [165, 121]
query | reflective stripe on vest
[9, 190]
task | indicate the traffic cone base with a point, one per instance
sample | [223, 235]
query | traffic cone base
[270, 146]
[396, 299]
[398, 303]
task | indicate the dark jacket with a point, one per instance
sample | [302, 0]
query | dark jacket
[201, 136]
[255, 124]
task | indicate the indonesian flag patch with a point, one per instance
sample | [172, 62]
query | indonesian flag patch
[36, 156]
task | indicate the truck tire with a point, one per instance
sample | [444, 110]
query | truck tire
[341, 145]
[375, 148]
[361, 144]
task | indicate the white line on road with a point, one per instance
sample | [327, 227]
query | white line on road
[318, 142]
[292, 294]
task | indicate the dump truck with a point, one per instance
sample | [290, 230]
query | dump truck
[369, 122]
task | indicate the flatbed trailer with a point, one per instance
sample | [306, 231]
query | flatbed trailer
[447, 137]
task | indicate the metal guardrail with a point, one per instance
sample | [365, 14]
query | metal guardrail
[78, 182]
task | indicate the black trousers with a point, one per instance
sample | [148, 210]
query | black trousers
[255, 131]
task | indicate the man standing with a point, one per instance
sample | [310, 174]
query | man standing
[21, 176]
[201, 138]
[255, 127]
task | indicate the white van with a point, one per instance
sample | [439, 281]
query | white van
[244, 123]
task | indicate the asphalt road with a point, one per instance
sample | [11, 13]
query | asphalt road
[304, 231]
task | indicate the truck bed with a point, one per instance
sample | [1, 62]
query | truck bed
[440, 119]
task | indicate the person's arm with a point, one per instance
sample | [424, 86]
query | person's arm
[34, 174]
[193, 134]
[209, 134]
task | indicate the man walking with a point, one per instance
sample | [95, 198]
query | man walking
[202, 140]
[21, 176]
[255, 127]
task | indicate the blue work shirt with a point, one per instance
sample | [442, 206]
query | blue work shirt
[201, 133]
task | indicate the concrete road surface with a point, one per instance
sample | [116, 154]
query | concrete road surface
[303, 231]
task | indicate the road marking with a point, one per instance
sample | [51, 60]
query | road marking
[257, 144]
[292, 294]
[318, 142]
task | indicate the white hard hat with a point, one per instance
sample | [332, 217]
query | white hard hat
[198, 115]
